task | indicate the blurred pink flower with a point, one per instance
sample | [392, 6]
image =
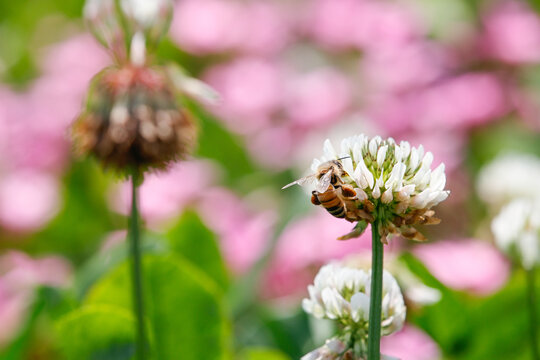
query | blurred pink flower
[28, 200]
[208, 26]
[318, 97]
[244, 235]
[385, 25]
[19, 275]
[163, 195]
[333, 22]
[32, 140]
[366, 24]
[273, 146]
[36, 122]
[20, 271]
[465, 264]
[306, 244]
[8, 111]
[251, 89]
[267, 28]
[512, 33]
[466, 100]
[402, 68]
[410, 343]
[447, 147]
[12, 307]
[460, 102]
[67, 70]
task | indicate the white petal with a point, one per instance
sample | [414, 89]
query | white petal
[361, 194]
[329, 151]
[381, 155]
[360, 306]
[405, 148]
[387, 196]
[438, 178]
[373, 144]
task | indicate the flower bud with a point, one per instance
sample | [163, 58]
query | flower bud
[115, 22]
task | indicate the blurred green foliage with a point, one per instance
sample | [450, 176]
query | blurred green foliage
[185, 309]
[97, 332]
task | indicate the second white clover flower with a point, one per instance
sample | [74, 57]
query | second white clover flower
[342, 293]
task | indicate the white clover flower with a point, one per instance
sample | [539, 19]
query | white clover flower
[517, 231]
[342, 293]
[509, 177]
[394, 183]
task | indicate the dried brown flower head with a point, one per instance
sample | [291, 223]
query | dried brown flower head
[133, 120]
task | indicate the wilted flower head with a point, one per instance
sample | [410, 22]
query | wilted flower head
[383, 181]
[112, 22]
[133, 121]
[342, 293]
[517, 231]
[508, 177]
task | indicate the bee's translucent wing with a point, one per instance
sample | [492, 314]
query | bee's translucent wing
[324, 182]
[301, 181]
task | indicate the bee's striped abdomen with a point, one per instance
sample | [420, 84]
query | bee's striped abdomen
[332, 203]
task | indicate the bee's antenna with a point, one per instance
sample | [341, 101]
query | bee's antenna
[345, 157]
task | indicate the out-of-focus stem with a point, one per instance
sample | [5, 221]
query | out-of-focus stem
[375, 302]
[531, 300]
[136, 273]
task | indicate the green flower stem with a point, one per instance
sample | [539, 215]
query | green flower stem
[136, 274]
[375, 301]
[531, 297]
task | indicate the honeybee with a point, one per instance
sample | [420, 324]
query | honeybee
[331, 192]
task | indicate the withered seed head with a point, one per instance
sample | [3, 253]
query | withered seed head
[133, 121]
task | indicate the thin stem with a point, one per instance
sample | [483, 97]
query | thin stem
[136, 274]
[531, 297]
[375, 302]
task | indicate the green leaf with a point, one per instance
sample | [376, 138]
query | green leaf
[262, 354]
[183, 307]
[97, 332]
[191, 239]
[102, 262]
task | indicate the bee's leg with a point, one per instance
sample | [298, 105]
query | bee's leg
[347, 191]
[356, 231]
[314, 198]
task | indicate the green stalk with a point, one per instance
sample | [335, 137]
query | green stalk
[531, 297]
[136, 270]
[375, 301]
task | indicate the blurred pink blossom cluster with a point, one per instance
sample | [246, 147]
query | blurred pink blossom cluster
[304, 246]
[19, 276]
[295, 68]
[34, 136]
[321, 63]
[410, 343]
